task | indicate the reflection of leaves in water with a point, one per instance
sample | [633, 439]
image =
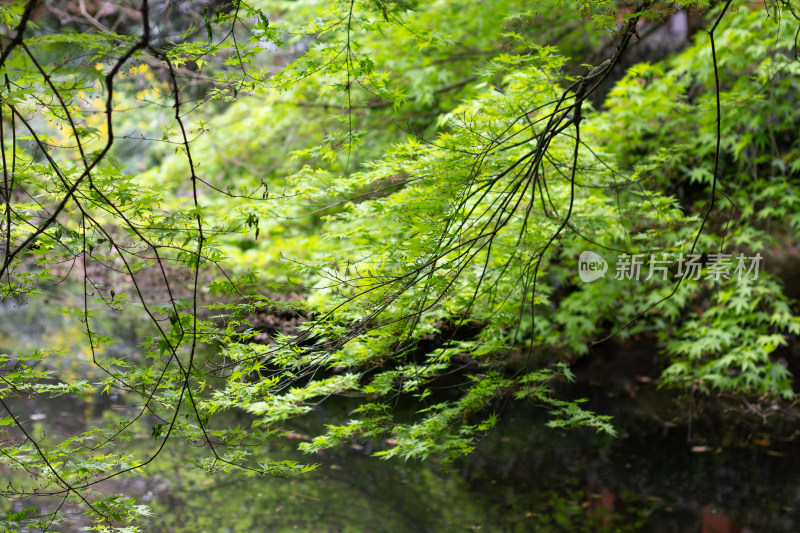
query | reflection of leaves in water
[505, 486]
[362, 494]
[44, 324]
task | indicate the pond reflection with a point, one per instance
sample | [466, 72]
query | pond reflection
[728, 471]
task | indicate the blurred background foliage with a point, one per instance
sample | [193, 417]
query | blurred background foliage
[373, 216]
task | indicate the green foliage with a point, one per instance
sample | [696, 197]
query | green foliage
[407, 187]
[726, 339]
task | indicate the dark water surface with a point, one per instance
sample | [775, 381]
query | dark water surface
[735, 468]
